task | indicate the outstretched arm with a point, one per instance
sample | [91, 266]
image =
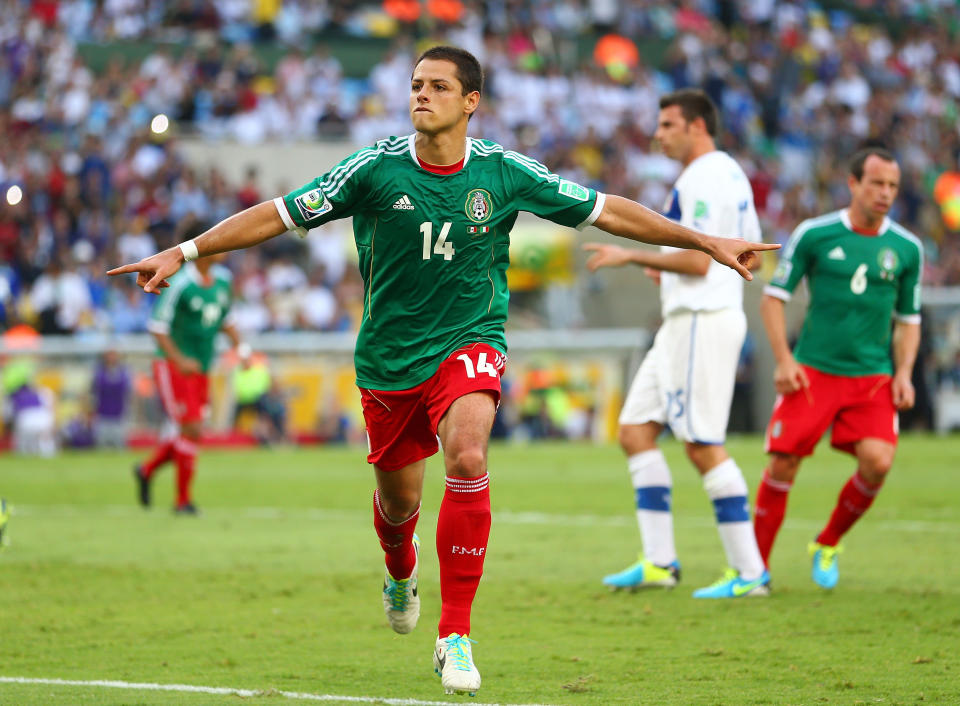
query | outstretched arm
[684, 262]
[629, 219]
[242, 230]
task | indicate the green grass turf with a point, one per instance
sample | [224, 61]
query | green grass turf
[277, 585]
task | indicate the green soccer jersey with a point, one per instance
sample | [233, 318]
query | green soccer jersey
[857, 284]
[192, 313]
[433, 249]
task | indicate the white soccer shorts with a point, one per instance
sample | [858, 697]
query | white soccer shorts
[686, 379]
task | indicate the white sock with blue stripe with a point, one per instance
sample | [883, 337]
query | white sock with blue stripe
[653, 485]
[727, 489]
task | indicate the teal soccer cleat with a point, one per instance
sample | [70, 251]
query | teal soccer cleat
[730, 585]
[453, 663]
[644, 574]
[825, 571]
[400, 600]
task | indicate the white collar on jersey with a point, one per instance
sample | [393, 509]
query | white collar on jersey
[845, 218]
[411, 140]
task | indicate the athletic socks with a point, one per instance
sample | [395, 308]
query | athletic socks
[396, 538]
[463, 528]
[727, 489]
[855, 498]
[163, 453]
[653, 485]
[185, 452]
[770, 510]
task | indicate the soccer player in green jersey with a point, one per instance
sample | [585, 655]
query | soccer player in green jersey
[432, 214]
[185, 322]
[863, 270]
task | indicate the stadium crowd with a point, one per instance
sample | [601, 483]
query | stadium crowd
[88, 183]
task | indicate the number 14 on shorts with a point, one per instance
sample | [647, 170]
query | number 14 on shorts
[482, 366]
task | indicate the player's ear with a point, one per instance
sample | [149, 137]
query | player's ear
[471, 102]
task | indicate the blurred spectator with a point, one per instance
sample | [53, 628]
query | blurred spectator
[28, 410]
[110, 391]
[255, 391]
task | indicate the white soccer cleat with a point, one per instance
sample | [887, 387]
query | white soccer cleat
[453, 661]
[400, 600]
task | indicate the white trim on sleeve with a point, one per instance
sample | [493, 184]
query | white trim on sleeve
[155, 326]
[287, 220]
[595, 213]
[778, 292]
[908, 318]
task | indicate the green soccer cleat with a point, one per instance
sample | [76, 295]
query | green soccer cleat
[825, 572]
[4, 518]
[730, 585]
[453, 662]
[400, 600]
[644, 574]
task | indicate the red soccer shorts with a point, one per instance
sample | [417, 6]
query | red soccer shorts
[184, 396]
[857, 407]
[402, 424]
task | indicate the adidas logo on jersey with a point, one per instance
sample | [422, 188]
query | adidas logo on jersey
[403, 204]
[837, 254]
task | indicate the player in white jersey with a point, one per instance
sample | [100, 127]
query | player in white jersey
[686, 379]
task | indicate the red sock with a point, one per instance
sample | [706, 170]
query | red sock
[857, 495]
[396, 540]
[463, 529]
[769, 512]
[186, 453]
[163, 453]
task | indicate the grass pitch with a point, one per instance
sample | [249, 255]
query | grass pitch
[277, 586]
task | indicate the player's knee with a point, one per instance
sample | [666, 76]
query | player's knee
[467, 462]
[875, 464]
[190, 430]
[783, 467]
[399, 504]
[634, 439]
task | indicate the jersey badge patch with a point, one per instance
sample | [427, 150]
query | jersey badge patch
[478, 206]
[888, 260]
[573, 190]
[313, 204]
[837, 254]
[700, 209]
[474, 230]
[782, 273]
[403, 204]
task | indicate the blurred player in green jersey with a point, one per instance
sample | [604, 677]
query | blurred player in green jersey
[185, 322]
[863, 271]
[432, 214]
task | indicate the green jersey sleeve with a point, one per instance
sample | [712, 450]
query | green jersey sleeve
[541, 192]
[793, 264]
[908, 293]
[340, 193]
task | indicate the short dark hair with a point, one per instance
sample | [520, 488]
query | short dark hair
[859, 158]
[469, 71]
[693, 104]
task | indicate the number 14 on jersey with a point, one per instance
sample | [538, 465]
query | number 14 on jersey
[442, 246]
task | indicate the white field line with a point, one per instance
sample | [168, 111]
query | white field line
[505, 517]
[226, 691]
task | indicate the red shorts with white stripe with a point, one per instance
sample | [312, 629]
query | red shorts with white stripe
[402, 424]
[858, 408]
[184, 395]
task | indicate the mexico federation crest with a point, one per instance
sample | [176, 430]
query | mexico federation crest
[888, 260]
[478, 206]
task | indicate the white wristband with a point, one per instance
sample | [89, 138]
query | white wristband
[189, 250]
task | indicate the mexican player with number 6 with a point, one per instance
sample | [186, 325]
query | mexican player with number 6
[432, 214]
[862, 270]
